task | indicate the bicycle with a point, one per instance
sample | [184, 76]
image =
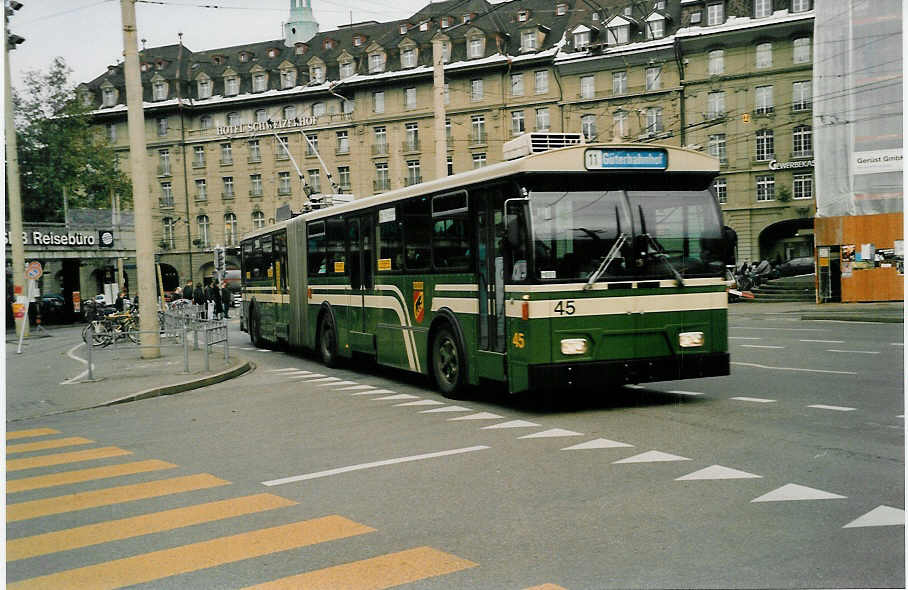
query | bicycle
[115, 326]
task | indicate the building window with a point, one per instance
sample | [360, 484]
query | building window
[801, 50]
[764, 100]
[765, 145]
[318, 109]
[479, 160]
[411, 141]
[167, 236]
[408, 58]
[445, 22]
[523, 16]
[233, 118]
[715, 14]
[164, 162]
[282, 147]
[259, 83]
[764, 55]
[283, 183]
[716, 62]
[255, 185]
[378, 102]
[517, 123]
[803, 186]
[258, 220]
[204, 88]
[800, 5]
[474, 47]
[801, 142]
[409, 98]
[588, 127]
[226, 154]
[543, 122]
[343, 143]
[206, 122]
[255, 151]
[618, 35]
[654, 120]
[109, 97]
[528, 40]
[762, 8]
[202, 221]
[311, 144]
[231, 86]
[315, 182]
[720, 185]
[376, 63]
[201, 189]
[380, 140]
[261, 115]
[654, 78]
[620, 124]
[288, 78]
[716, 147]
[166, 194]
[715, 104]
[801, 96]
[316, 74]
[587, 87]
[382, 180]
[228, 187]
[230, 229]
[516, 84]
[162, 126]
[413, 174]
[766, 188]
[619, 83]
[581, 39]
[346, 69]
[560, 9]
[478, 126]
[112, 132]
[288, 112]
[541, 78]
[476, 89]
[424, 26]
[198, 156]
[655, 29]
[159, 90]
[450, 166]
[343, 177]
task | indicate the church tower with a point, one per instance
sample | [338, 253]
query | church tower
[301, 26]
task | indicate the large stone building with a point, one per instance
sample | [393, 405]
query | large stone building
[729, 76]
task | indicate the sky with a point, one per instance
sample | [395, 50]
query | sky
[88, 34]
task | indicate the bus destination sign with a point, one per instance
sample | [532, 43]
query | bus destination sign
[619, 158]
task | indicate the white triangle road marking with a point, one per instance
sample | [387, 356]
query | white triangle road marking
[682, 392]
[479, 416]
[792, 491]
[447, 409]
[282, 370]
[399, 396]
[372, 392]
[511, 424]
[309, 376]
[717, 472]
[325, 380]
[262, 350]
[756, 400]
[337, 383]
[552, 433]
[652, 457]
[598, 443]
[834, 408]
[354, 388]
[422, 402]
[879, 516]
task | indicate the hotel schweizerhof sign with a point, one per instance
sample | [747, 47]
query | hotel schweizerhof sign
[306, 121]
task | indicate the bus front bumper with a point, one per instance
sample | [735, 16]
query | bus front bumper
[625, 371]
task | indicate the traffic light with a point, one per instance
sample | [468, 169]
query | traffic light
[220, 259]
[12, 40]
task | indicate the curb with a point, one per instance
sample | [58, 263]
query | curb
[180, 387]
[855, 318]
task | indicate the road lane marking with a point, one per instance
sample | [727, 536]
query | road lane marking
[62, 458]
[338, 383]
[835, 408]
[309, 376]
[478, 416]
[793, 491]
[370, 465]
[109, 496]
[396, 397]
[84, 373]
[824, 341]
[854, 351]
[652, 457]
[758, 366]
[599, 443]
[717, 472]
[776, 329]
[372, 392]
[446, 409]
[551, 433]
[156, 565]
[756, 400]
[759, 346]
[682, 392]
[422, 402]
[879, 516]
[146, 524]
[47, 444]
[384, 571]
[82, 475]
[284, 369]
[511, 424]
[325, 380]
[897, 343]
[17, 434]
[355, 387]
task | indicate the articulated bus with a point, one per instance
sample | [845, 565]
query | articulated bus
[587, 264]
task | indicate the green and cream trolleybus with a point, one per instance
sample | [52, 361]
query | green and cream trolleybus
[571, 264]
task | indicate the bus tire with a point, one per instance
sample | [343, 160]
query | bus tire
[448, 364]
[327, 340]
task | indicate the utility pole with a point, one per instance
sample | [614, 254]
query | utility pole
[12, 174]
[438, 107]
[145, 262]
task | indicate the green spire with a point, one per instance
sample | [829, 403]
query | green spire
[301, 26]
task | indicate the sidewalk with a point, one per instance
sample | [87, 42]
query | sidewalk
[882, 312]
[50, 376]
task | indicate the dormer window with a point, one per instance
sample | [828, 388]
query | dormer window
[273, 52]
[595, 17]
[145, 67]
[231, 86]
[475, 47]
[445, 22]
[288, 77]
[376, 63]
[528, 40]
[160, 64]
[445, 51]
[328, 43]
[424, 26]
[159, 90]
[466, 18]
[346, 69]
[108, 96]
[523, 16]
[204, 87]
[403, 28]
[628, 10]
[259, 82]
[244, 57]
[581, 37]
[316, 74]
[408, 58]
[358, 40]
[217, 59]
[300, 48]
[560, 9]
[659, 5]
[618, 31]
[715, 14]
[655, 28]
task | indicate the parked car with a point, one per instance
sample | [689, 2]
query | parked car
[52, 307]
[796, 266]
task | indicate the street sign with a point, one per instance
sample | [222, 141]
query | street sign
[34, 271]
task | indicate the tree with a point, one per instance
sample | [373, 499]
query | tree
[59, 147]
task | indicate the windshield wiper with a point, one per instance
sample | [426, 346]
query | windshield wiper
[661, 254]
[612, 254]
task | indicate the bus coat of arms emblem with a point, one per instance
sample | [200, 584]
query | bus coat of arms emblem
[419, 302]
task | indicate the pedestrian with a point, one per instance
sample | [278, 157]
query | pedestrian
[118, 303]
[214, 296]
[226, 299]
[187, 291]
[198, 298]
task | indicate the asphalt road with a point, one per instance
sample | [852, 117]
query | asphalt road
[789, 473]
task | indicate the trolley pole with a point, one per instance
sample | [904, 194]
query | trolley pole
[13, 186]
[438, 107]
[145, 262]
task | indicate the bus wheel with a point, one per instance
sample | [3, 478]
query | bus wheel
[447, 363]
[327, 341]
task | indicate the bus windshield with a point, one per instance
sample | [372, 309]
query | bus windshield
[644, 234]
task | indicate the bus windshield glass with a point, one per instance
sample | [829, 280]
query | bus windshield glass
[631, 234]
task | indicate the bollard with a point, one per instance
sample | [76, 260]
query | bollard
[206, 350]
[226, 340]
[91, 376]
[195, 331]
[185, 351]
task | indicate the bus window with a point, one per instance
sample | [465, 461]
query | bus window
[389, 240]
[451, 239]
[335, 256]
[280, 259]
[264, 268]
[247, 260]
[418, 233]
[316, 248]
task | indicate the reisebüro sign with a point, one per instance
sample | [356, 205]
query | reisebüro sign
[94, 239]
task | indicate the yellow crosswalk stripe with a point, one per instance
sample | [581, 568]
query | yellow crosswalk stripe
[62, 458]
[384, 571]
[127, 528]
[47, 444]
[30, 433]
[81, 475]
[196, 556]
[106, 497]
[546, 587]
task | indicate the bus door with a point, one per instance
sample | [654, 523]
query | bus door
[361, 320]
[490, 276]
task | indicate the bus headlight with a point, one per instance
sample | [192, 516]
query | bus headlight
[690, 339]
[574, 346]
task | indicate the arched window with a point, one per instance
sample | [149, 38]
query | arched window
[258, 220]
[233, 118]
[289, 112]
[203, 223]
[261, 115]
[230, 229]
[318, 109]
